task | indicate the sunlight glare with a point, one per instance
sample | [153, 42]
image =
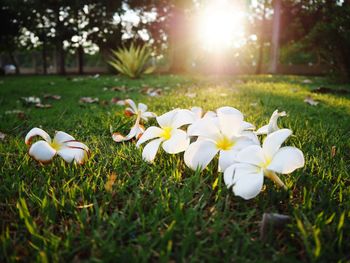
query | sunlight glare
[220, 26]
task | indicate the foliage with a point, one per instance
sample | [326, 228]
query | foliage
[117, 208]
[132, 61]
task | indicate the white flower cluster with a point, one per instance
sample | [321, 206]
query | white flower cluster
[242, 159]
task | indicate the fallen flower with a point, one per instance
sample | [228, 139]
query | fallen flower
[225, 134]
[272, 125]
[254, 162]
[137, 129]
[31, 100]
[88, 100]
[311, 101]
[140, 110]
[118, 101]
[173, 139]
[62, 144]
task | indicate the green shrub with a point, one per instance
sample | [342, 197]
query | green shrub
[132, 61]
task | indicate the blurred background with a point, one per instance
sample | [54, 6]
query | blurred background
[309, 37]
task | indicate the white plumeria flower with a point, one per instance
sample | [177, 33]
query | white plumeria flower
[173, 139]
[246, 177]
[225, 134]
[140, 110]
[62, 144]
[137, 129]
[198, 115]
[272, 125]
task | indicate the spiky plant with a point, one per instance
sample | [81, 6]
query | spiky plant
[131, 61]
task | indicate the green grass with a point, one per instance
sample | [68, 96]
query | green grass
[164, 211]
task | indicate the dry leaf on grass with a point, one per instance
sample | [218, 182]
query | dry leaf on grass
[110, 182]
[52, 96]
[152, 92]
[333, 151]
[307, 81]
[191, 95]
[20, 114]
[88, 100]
[309, 100]
[117, 88]
[43, 106]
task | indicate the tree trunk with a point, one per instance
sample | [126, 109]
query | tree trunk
[261, 42]
[178, 42]
[275, 37]
[44, 56]
[81, 59]
[61, 59]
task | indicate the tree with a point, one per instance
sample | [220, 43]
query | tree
[9, 31]
[273, 68]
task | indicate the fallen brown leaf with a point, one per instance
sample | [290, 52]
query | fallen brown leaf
[51, 96]
[121, 89]
[110, 182]
[333, 151]
[88, 100]
[43, 106]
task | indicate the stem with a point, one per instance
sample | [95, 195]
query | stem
[273, 176]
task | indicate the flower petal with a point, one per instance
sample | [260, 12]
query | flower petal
[142, 107]
[252, 155]
[206, 127]
[286, 160]
[272, 126]
[68, 154]
[61, 137]
[151, 133]
[166, 119]
[229, 175]
[42, 151]
[132, 104]
[76, 144]
[227, 158]
[252, 136]
[230, 124]
[146, 115]
[178, 142]
[248, 181]
[229, 110]
[274, 141]
[197, 111]
[263, 130]
[150, 150]
[183, 117]
[135, 131]
[37, 132]
[200, 153]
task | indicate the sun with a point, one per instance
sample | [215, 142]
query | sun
[220, 25]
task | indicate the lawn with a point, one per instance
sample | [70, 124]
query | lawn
[164, 211]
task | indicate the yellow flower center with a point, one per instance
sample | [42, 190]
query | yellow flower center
[266, 163]
[55, 145]
[166, 134]
[224, 143]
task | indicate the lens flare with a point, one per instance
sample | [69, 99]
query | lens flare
[220, 25]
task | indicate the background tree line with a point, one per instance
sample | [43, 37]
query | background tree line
[318, 29]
